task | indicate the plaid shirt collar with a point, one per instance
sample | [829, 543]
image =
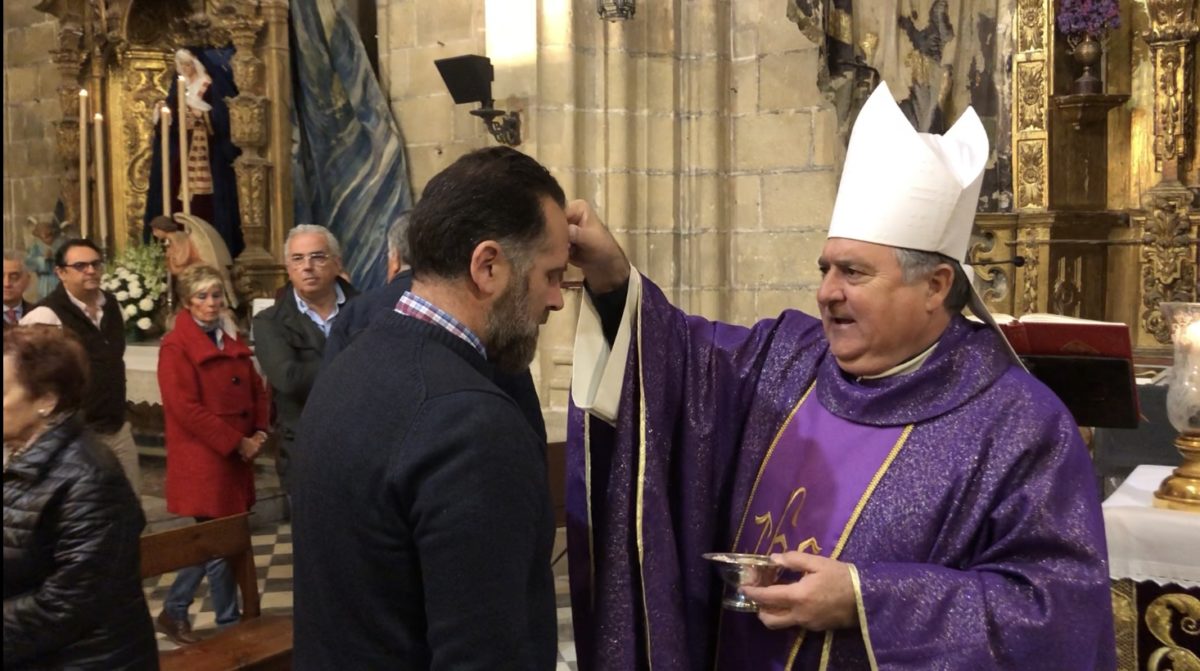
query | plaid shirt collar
[414, 306]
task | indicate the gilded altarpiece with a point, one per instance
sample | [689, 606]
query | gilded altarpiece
[138, 83]
[122, 52]
[1078, 255]
[1007, 287]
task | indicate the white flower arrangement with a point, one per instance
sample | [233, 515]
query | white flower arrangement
[138, 280]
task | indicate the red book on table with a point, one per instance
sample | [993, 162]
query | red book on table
[1056, 334]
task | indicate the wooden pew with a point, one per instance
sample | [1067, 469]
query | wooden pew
[258, 641]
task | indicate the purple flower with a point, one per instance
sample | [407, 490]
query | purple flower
[1078, 18]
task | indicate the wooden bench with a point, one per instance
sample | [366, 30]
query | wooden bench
[258, 641]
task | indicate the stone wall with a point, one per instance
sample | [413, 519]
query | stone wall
[696, 130]
[31, 166]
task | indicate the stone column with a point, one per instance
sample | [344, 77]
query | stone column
[69, 58]
[1168, 223]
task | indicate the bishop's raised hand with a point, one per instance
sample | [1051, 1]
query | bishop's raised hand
[594, 250]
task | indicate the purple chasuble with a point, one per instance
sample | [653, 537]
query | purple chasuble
[980, 547]
[811, 483]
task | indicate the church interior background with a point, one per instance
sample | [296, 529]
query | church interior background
[708, 134]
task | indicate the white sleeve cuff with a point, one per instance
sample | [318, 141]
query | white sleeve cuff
[599, 370]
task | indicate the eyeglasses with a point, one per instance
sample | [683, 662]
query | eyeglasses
[319, 259]
[82, 266]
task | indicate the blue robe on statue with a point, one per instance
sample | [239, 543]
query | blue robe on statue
[980, 545]
[221, 208]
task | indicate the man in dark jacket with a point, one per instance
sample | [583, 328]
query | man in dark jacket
[16, 281]
[422, 520]
[359, 313]
[289, 337]
[79, 305]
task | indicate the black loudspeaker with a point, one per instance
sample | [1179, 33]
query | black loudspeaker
[469, 78]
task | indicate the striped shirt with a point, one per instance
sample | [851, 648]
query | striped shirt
[416, 307]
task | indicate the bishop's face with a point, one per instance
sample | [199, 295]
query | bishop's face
[872, 317]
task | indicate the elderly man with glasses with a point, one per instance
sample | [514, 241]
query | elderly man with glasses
[81, 306]
[290, 336]
[16, 281]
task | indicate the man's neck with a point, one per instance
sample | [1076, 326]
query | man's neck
[14, 304]
[321, 303]
[449, 297]
[88, 298]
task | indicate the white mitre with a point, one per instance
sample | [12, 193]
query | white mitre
[907, 189]
[914, 190]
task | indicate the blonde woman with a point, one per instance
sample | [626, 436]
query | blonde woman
[216, 411]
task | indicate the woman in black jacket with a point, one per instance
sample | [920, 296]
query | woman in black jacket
[72, 590]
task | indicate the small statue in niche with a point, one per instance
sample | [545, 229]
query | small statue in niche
[46, 236]
[210, 152]
[190, 241]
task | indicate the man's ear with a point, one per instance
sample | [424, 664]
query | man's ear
[489, 272]
[938, 287]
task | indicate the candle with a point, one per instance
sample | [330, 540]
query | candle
[83, 177]
[101, 196]
[165, 150]
[184, 192]
[1189, 340]
[1191, 333]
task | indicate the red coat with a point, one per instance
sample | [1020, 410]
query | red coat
[212, 398]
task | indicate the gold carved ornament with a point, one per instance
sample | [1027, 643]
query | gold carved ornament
[1031, 29]
[145, 87]
[1160, 618]
[1168, 263]
[1125, 623]
[1170, 141]
[992, 279]
[1029, 250]
[1031, 86]
[1030, 190]
[1171, 20]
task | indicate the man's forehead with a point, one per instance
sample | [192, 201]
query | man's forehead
[556, 237]
[309, 241]
[846, 250]
[81, 253]
[13, 265]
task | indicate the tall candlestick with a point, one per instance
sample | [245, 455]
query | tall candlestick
[164, 137]
[101, 196]
[184, 191]
[84, 196]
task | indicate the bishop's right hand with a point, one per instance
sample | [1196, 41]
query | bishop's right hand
[594, 250]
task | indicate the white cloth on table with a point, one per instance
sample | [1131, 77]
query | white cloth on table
[1147, 543]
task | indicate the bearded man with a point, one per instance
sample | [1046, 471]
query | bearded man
[421, 511]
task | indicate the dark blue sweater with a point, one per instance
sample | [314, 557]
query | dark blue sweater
[358, 314]
[422, 519]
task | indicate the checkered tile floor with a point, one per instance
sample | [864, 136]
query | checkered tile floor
[273, 557]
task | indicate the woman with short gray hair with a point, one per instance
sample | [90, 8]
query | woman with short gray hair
[216, 411]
